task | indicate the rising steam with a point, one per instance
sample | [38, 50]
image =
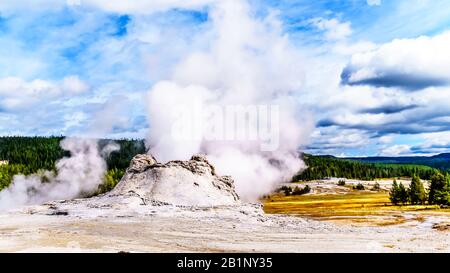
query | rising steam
[249, 67]
[249, 63]
[77, 175]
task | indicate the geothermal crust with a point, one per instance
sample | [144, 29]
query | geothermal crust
[182, 183]
[152, 188]
[177, 195]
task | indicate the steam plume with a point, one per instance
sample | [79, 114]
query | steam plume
[249, 63]
[79, 174]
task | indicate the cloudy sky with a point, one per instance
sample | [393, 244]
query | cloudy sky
[375, 74]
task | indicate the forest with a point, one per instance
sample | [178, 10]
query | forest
[439, 161]
[320, 167]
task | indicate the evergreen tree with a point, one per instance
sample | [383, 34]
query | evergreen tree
[394, 194]
[417, 193]
[403, 194]
[439, 189]
[442, 195]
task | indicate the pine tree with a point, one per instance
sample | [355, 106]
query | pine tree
[442, 194]
[403, 194]
[394, 193]
[439, 189]
[417, 193]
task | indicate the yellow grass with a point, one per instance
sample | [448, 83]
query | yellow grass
[356, 207]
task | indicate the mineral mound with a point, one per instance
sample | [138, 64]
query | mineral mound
[182, 183]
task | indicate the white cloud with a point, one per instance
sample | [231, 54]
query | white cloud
[144, 6]
[406, 63]
[385, 139]
[377, 111]
[432, 143]
[396, 150]
[373, 2]
[351, 48]
[17, 94]
[330, 139]
[116, 6]
[155, 42]
[333, 29]
[73, 85]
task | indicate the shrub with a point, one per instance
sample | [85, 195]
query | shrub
[299, 191]
[359, 187]
[376, 187]
[286, 190]
[307, 189]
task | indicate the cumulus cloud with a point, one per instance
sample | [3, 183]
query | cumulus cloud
[328, 141]
[373, 101]
[396, 150]
[333, 28]
[390, 111]
[17, 94]
[73, 85]
[99, 63]
[410, 64]
[433, 143]
[364, 97]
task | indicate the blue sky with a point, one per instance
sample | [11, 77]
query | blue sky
[376, 72]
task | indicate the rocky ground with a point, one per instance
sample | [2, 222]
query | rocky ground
[227, 229]
[138, 216]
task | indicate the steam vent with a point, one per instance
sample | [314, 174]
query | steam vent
[182, 183]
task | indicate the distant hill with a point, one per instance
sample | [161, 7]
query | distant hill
[320, 167]
[440, 161]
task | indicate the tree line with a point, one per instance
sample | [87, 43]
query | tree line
[320, 167]
[437, 194]
[28, 155]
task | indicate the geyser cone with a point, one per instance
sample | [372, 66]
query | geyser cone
[184, 183]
